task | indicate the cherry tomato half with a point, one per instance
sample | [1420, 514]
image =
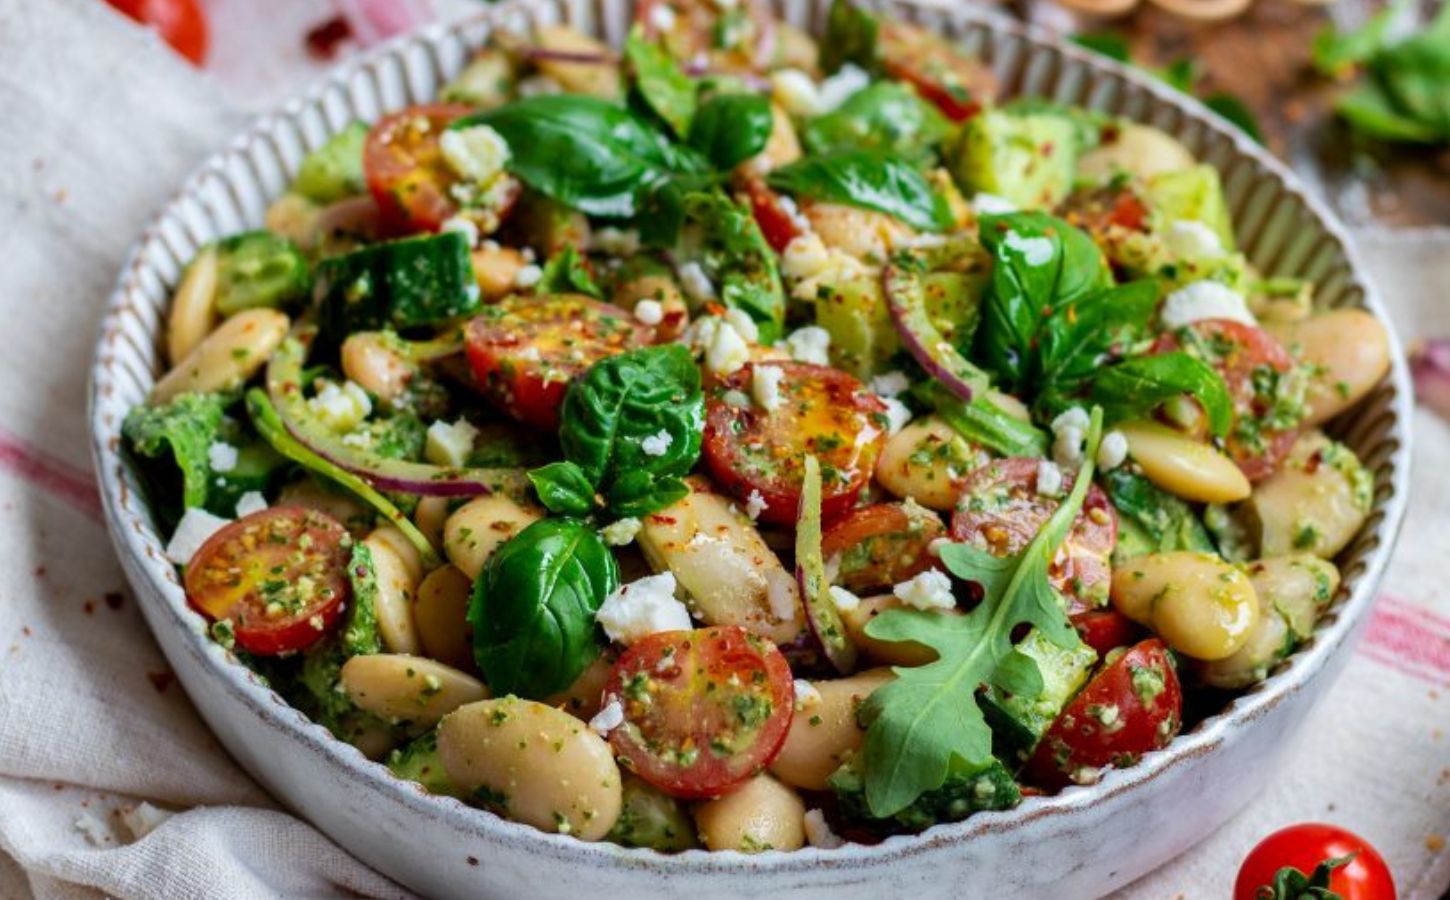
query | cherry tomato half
[957, 84]
[1134, 704]
[704, 710]
[1105, 629]
[1304, 847]
[881, 545]
[1253, 365]
[777, 224]
[280, 576]
[405, 168]
[822, 411]
[181, 23]
[1001, 509]
[525, 351]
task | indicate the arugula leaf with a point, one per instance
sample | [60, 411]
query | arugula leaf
[731, 128]
[533, 607]
[1334, 51]
[886, 116]
[929, 716]
[1135, 387]
[563, 488]
[1181, 75]
[736, 256]
[665, 88]
[870, 180]
[184, 428]
[565, 273]
[851, 36]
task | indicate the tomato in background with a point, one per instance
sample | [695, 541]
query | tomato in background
[180, 23]
[1304, 847]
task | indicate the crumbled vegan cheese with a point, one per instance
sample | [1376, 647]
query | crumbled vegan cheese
[810, 344]
[890, 384]
[221, 456]
[725, 350]
[195, 527]
[819, 833]
[476, 153]
[1069, 430]
[642, 608]
[620, 533]
[1049, 478]
[809, 264]
[528, 276]
[755, 504]
[1112, 451]
[609, 717]
[250, 502]
[649, 312]
[450, 444]
[765, 386]
[695, 283]
[657, 444]
[928, 590]
[845, 600]
[992, 205]
[1204, 300]
[1036, 251]
[741, 322]
[464, 226]
[837, 89]
[341, 407]
[805, 694]
[1187, 239]
[897, 414]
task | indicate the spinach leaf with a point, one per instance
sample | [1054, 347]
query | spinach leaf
[929, 717]
[658, 78]
[886, 116]
[731, 128]
[1135, 387]
[184, 429]
[533, 607]
[870, 180]
[851, 36]
[736, 256]
[566, 273]
[563, 488]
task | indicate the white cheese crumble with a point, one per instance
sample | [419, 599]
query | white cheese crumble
[620, 533]
[250, 502]
[642, 608]
[897, 414]
[755, 504]
[890, 384]
[695, 283]
[765, 386]
[1187, 239]
[928, 590]
[1204, 300]
[662, 17]
[805, 694]
[195, 527]
[1069, 430]
[808, 263]
[796, 93]
[142, 819]
[477, 153]
[657, 444]
[450, 444]
[341, 407]
[649, 312]
[528, 276]
[609, 717]
[848, 80]
[992, 205]
[537, 86]
[740, 320]
[1049, 478]
[725, 350]
[221, 456]
[464, 226]
[845, 600]
[1036, 251]
[819, 833]
[810, 344]
[1112, 451]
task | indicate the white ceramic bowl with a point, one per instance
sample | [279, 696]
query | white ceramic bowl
[1080, 843]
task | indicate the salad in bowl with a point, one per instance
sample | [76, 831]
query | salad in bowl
[740, 442]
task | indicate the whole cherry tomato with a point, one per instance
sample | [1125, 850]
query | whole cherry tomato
[180, 23]
[1306, 847]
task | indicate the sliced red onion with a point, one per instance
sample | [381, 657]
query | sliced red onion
[906, 299]
[356, 215]
[822, 617]
[1430, 369]
[583, 57]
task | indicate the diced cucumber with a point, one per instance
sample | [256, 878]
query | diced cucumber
[855, 314]
[334, 170]
[419, 761]
[259, 268]
[1193, 195]
[1018, 722]
[1027, 159]
[400, 284]
[1150, 519]
[257, 467]
[967, 789]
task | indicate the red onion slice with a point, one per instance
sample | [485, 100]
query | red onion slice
[906, 299]
[822, 617]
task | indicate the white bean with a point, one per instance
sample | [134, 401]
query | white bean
[928, 461]
[227, 357]
[440, 615]
[1316, 502]
[601, 80]
[1182, 466]
[1199, 604]
[397, 576]
[408, 688]
[377, 367]
[1139, 150]
[762, 814]
[193, 306]
[1292, 591]
[479, 527]
[824, 730]
[1351, 352]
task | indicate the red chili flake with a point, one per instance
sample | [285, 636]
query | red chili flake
[115, 599]
[90, 607]
[161, 680]
[40, 571]
[324, 39]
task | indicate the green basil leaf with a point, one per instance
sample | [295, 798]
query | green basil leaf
[658, 78]
[1080, 334]
[566, 273]
[640, 493]
[737, 258]
[1237, 112]
[1334, 51]
[851, 36]
[1415, 73]
[1134, 388]
[731, 128]
[876, 181]
[886, 116]
[1369, 111]
[1113, 46]
[533, 607]
[563, 488]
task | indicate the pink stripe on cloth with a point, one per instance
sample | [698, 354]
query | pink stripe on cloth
[60, 479]
[372, 21]
[1410, 639]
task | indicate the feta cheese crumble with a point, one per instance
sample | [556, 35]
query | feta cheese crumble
[848, 80]
[195, 527]
[796, 93]
[819, 833]
[845, 600]
[528, 276]
[615, 241]
[992, 205]
[1112, 451]
[740, 320]
[1036, 251]
[620, 533]
[609, 717]
[1204, 300]
[642, 608]
[695, 283]
[477, 153]
[725, 350]
[765, 386]
[890, 384]
[1069, 430]
[929, 590]
[341, 407]
[250, 502]
[649, 312]
[1187, 239]
[657, 444]
[1049, 478]
[810, 344]
[222, 457]
[450, 444]
[897, 414]
[755, 504]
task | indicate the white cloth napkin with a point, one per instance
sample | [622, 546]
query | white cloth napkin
[99, 125]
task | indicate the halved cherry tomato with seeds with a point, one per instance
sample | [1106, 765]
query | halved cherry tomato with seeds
[777, 224]
[881, 545]
[822, 411]
[704, 710]
[940, 72]
[1105, 629]
[1134, 704]
[1259, 374]
[1001, 511]
[279, 575]
[405, 168]
[525, 350]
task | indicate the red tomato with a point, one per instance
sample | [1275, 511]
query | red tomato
[878, 546]
[776, 223]
[1252, 364]
[939, 71]
[822, 411]
[1304, 847]
[405, 168]
[1133, 705]
[1100, 209]
[704, 710]
[525, 351]
[180, 23]
[1105, 629]
[1001, 510]
[280, 576]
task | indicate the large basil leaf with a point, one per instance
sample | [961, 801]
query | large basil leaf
[869, 180]
[533, 607]
[886, 116]
[731, 128]
[737, 258]
[667, 90]
[563, 488]
[1134, 388]
[565, 273]
[1077, 338]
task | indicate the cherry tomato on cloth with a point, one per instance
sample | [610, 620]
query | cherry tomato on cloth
[1255, 368]
[821, 411]
[1105, 629]
[279, 575]
[939, 71]
[881, 545]
[1000, 508]
[405, 168]
[704, 710]
[525, 351]
[181, 23]
[1304, 847]
[1133, 705]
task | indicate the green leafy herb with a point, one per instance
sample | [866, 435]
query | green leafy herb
[658, 78]
[886, 116]
[359, 636]
[851, 36]
[1402, 97]
[731, 128]
[928, 720]
[735, 256]
[533, 607]
[869, 180]
[1167, 522]
[985, 424]
[1113, 46]
[566, 273]
[1335, 52]
[563, 488]
[1181, 75]
[1133, 388]
[1292, 884]
[185, 429]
